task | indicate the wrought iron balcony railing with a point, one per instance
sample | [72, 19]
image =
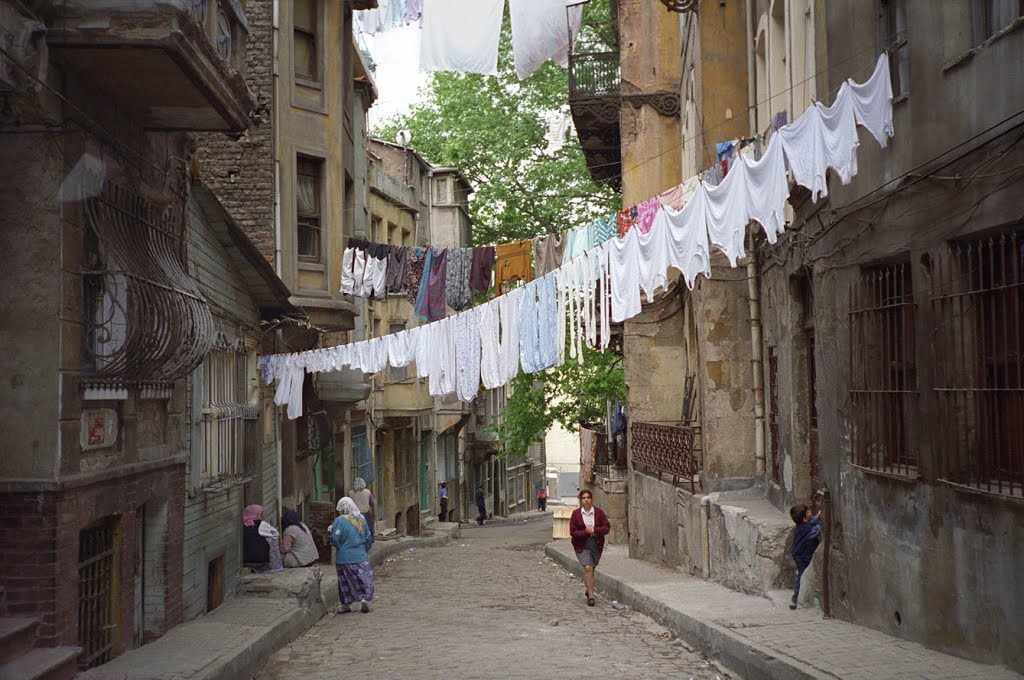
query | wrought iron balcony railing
[665, 448]
[594, 75]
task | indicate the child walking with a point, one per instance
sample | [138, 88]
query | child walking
[806, 537]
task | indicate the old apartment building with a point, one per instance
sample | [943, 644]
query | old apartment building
[868, 362]
[296, 183]
[106, 318]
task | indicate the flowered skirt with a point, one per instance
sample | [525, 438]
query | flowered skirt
[355, 582]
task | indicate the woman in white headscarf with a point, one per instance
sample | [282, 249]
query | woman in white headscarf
[352, 538]
[364, 500]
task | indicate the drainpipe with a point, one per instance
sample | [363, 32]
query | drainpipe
[826, 501]
[754, 294]
[273, 140]
[705, 538]
[751, 70]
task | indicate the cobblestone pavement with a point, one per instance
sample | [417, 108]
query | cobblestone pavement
[488, 605]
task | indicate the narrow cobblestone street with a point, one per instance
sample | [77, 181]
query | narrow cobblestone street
[488, 605]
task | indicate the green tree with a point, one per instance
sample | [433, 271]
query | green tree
[493, 128]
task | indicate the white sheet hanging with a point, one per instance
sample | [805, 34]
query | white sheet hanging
[840, 134]
[768, 190]
[872, 102]
[688, 246]
[624, 271]
[400, 349]
[803, 142]
[541, 31]
[467, 353]
[461, 35]
[508, 306]
[728, 212]
[490, 347]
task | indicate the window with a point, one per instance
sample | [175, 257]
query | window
[306, 42]
[992, 16]
[307, 208]
[225, 409]
[405, 456]
[892, 26]
[402, 373]
[392, 231]
[375, 228]
[978, 306]
[442, 195]
[883, 373]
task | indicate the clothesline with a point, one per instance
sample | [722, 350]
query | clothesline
[595, 285]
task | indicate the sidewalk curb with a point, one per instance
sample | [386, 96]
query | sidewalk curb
[749, 660]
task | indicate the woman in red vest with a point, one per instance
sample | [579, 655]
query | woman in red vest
[588, 526]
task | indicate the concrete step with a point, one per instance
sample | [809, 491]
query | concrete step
[17, 635]
[43, 663]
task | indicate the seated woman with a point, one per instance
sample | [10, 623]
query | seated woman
[297, 545]
[259, 541]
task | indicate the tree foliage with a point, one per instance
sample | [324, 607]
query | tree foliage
[495, 130]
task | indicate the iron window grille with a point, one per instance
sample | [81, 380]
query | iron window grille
[977, 298]
[223, 428]
[883, 371]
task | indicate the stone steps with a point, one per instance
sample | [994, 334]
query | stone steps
[19, 660]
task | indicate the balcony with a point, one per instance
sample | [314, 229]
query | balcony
[594, 99]
[390, 188]
[176, 64]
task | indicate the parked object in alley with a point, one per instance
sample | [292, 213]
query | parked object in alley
[351, 538]
[260, 549]
[297, 546]
[588, 526]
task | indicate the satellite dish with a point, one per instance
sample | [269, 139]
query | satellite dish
[403, 137]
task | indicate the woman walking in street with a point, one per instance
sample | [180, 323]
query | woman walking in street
[588, 526]
[364, 500]
[351, 538]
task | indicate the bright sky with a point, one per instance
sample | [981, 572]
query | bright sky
[397, 55]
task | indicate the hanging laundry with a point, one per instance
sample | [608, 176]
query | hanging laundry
[353, 267]
[723, 153]
[653, 258]
[415, 261]
[768, 189]
[512, 263]
[542, 30]
[482, 269]
[413, 12]
[430, 302]
[547, 310]
[460, 264]
[645, 213]
[840, 134]
[713, 176]
[529, 329]
[547, 253]
[508, 307]
[461, 35]
[627, 220]
[803, 143]
[779, 119]
[727, 214]
[872, 102]
[442, 378]
[290, 379]
[400, 349]
[603, 229]
[423, 349]
[577, 242]
[688, 247]
[396, 269]
[490, 348]
[624, 271]
[375, 277]
[467, 353]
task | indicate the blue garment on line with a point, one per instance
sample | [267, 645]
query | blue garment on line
[529, 329]
[548, 316]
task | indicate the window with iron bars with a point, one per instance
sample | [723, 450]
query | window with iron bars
[225, 412]
[977, 301]
[883, 371]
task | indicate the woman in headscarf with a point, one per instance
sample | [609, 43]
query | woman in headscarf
[259, 541]
[351, 538]
[364, 500]
[297, 545]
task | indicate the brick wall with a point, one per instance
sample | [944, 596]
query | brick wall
[241, 171]
[39, 535]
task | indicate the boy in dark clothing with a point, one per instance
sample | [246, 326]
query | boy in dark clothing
[806, 537]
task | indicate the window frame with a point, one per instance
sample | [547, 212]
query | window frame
[981, 19]
[302, 165]
[895, 44]
[224, 412]
[313, 33]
